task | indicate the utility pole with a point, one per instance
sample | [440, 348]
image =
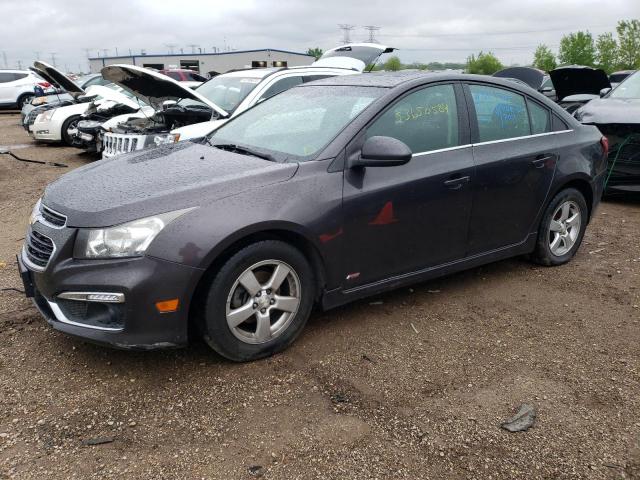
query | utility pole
[193, 47]
[346, 32]
[4, 59]
[53, 58]
[372, 29]
[105, 52]
[19, 64]
[170, 46]
[37, 55]
[116, 51]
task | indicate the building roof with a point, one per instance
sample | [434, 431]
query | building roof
[200, 54]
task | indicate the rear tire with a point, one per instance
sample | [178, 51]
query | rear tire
[24, 99]
[561, 229]
[70, 122]
[244, 318]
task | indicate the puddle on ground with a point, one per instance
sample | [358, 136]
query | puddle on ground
[17, 146]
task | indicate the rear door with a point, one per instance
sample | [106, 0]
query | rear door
[515, 156]
[8, 89]
[406, 218]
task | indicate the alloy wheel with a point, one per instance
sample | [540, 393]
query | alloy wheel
[564, 228]
[263, 301]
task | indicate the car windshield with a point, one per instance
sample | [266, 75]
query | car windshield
[298, 123]
[630, 88]
[225, 91]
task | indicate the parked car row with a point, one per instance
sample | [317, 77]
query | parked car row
[297, 191]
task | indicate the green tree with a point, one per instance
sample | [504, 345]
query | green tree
[607, 52]
[544, 59]
[315, 52]
[629, 44]
[577, 49]
[393, 64]
[484, 64]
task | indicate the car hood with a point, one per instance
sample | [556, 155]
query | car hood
[603, 111]
[56, 77]
[153, 87]
[531, 76]
[576, 79]
[163, 179]
[198, 130]
[355, 56]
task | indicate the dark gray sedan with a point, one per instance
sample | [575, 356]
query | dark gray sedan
[326, 193]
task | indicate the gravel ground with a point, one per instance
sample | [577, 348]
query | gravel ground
[411, 384]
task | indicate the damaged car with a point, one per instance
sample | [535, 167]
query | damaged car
[185, 114]
[617, 116]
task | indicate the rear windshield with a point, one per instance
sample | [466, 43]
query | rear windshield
[226, 91]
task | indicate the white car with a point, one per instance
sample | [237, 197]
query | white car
[59, 124]
[17, 87]
[198, 112]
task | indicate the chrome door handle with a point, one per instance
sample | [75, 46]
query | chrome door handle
[456, 183]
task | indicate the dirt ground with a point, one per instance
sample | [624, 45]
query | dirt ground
[412, 384]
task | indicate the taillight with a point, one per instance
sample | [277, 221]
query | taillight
[44, 84]
[604, 141]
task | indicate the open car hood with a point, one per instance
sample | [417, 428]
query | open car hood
[154, 88]
[575, 79]
[56, 77]
[108, 94]
[531, 76]
[355, 56]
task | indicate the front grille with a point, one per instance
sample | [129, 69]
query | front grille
[39, 249]
[52, 217]
[116, 143]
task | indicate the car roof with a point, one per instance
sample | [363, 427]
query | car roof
[9, 70]
[394, 79]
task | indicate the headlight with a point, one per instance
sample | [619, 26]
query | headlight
[46, 115]
[89, 124]
[165, 139]
[35, 213]
[127, 240]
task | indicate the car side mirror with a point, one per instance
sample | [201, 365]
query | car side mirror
[382, 152]
[168, 104]
[546, 89]
[604, 91]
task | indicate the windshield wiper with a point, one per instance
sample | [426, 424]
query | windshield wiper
[230, 147]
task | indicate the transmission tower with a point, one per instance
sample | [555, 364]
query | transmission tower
[372, 29]
[53, 58]
[171, 46]
[193, 47]
[346, 32]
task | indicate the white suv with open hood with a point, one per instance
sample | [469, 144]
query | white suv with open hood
[184, 114]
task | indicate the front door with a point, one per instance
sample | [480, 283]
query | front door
[406, 218]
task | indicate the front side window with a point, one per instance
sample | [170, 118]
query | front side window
[424, 120]
[297, 124]
[539, 118]
[500, 113]
[280, 86]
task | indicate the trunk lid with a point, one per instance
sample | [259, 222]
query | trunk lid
[574, 79]
[56, 77]
[354, 56]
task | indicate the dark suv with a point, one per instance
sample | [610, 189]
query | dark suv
[326, 193]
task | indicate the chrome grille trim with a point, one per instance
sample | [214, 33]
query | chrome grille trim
[51, 218]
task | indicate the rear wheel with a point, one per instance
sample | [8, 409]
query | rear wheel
[259, 301]
[562, 228]
[69, 129]
[24, 100]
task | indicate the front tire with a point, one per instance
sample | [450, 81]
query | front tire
[24, 99]
[562, 228]
[259, 302]
[70, 123]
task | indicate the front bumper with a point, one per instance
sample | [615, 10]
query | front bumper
[133, 324]
[46, 131]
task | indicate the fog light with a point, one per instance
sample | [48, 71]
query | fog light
[166, 306]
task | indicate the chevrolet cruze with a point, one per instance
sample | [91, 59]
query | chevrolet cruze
[326, 193]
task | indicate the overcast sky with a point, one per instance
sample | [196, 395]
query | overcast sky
[423, 31]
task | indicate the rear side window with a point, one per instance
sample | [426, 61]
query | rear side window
[540, 121]
[280, 86]
[424, 120]
[500, 113]
[558, 124]
[6, 77]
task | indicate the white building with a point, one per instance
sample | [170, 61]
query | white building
[206, 63]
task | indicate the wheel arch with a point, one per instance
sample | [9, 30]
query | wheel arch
[584, 185]
[283, 231]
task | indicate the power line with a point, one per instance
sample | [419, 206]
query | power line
[346, 32]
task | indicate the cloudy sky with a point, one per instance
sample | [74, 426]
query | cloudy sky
[423, 31]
